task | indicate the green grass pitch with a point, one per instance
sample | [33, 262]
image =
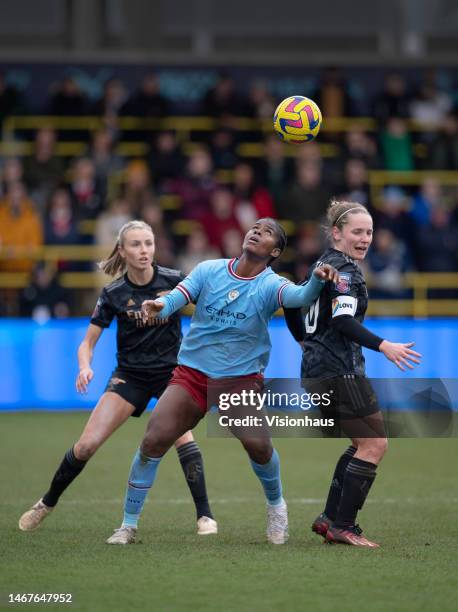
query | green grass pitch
[412, 512]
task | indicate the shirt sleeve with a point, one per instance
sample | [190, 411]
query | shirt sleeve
[103, 313]
[294, 296]
[344, 293]
[282, 292]
[187, 291]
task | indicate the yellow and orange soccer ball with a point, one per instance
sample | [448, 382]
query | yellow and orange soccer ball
[297, 120]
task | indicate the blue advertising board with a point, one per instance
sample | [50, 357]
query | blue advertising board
[39, 365]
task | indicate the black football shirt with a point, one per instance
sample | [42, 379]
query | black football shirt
[327, 352]
[149, 347]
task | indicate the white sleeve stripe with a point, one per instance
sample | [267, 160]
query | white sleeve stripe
[185, 292]
[280, 292]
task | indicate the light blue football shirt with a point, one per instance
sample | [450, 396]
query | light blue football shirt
[229, 334]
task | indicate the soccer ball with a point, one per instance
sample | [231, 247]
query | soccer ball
[297, 119]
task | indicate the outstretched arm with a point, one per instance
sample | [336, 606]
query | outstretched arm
[401, 354]
[294, 296]
[166, 305]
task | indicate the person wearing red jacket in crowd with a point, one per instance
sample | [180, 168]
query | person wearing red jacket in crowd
[221, 217]
[252, 201]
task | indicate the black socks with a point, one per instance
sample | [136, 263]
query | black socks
[193, 468]
[66, 473]
[358, 479]
[335, 490]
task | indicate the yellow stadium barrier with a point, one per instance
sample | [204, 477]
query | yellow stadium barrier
[184, 125]
[420, 283]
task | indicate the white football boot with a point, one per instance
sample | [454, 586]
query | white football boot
[277, 523]
[33, 518]
[206, 526]
[123, 535]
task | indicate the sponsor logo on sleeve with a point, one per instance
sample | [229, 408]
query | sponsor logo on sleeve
[96, 311]
[344, 283]
[344, 305]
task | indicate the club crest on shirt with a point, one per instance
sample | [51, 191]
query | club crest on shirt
[344, 283]
[233, 295]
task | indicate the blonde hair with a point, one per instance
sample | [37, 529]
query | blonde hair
[114, 264]
[338, 211]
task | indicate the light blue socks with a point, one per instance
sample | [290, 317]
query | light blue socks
[269, 475]
[141, 479]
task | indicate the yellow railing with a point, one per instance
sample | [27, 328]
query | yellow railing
[378, 179]
[420, 283]
[182, 125]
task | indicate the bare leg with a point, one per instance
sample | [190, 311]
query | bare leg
[110, 413]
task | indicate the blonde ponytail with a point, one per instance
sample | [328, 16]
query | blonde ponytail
[114, 264]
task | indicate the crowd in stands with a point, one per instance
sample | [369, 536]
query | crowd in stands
[47, 199]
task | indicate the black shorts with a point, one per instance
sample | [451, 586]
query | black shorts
[351, 401]
[138, 388]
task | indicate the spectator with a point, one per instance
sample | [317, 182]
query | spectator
[394, 101]
[222, 147]
[138, 190]
[113, 98]
[197, 249]
[20, 227]
[393, 214]
[260, 104]
[356, 183]
[430, 106]
[429, 196]
[397, 146]
[68, 100]
[60, 223]
[332, 95]
[436, 244]
[222, 101]
[147, 101]
[309, 154]
[44, 298]
[152, 214]
[252, 201]
[307, 198]
[359, 145]
[110, 221]
[10, 100]
[165, 160]
[87, 193]
[44, 170]
[221, 217]
[276, 170]
[13, 172]
[387, 261]
[197, 186]
[232, 243]
[307, 248]
[105, 160]
[444, 147]
[165, 251]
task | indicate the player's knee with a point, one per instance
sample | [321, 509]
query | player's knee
[155, 443]
[259, 451]
[381, 446]
[84, 449]
[184, 439]
[373, 449]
